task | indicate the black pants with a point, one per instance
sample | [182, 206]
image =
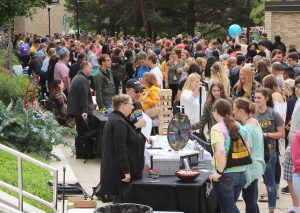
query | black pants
[25, 60]
[174, 88]
[250, 196]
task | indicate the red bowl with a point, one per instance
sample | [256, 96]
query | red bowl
[187, 175]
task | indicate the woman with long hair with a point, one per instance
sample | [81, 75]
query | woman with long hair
[174, 68]
[58, 101]
[150, 96]
[117, 68]
[218, 74]
[202, 64]
[227, 182]
[246, 85]
[272, 127]
[211, 60]
[271, 83]
[216, 92]
[243, 109]
[193, 97]
[194, 68]
[261, 71]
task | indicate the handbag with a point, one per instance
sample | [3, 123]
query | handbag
[153, 112]
[238, 154]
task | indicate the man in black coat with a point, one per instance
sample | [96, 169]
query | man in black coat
[80, 103]
[74, 69]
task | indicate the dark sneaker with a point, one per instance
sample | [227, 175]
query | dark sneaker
[285, 190]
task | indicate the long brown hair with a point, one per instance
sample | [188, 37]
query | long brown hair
[55, 88]
[224, 108]
[262, 69]
[211, 99]
[267, 94]
[271, 83]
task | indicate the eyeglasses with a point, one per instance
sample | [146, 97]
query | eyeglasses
[138, 91]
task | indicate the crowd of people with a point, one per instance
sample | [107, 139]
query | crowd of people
[235, 88]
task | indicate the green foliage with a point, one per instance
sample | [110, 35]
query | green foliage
[30, 131]
[34, 178]
[159, 16]
[12, 88]
[258, 14]
[12, 8]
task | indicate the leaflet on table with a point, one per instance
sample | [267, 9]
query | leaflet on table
[146, 130]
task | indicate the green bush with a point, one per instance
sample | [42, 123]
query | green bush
[31, 132]
[12, 88]
[34, 178]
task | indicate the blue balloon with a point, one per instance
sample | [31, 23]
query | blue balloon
[233, 29]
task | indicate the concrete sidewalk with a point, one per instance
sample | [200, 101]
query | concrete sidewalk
[88, 175]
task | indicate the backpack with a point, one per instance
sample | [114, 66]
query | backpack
[238, 154]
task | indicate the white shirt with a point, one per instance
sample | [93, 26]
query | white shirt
[191, 104]
[156, 71]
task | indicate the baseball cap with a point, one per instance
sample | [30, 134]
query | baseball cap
[135, 84]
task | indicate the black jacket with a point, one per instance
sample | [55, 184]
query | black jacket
[35, 65]
[79, 97]
[74, 69]
[122, 152]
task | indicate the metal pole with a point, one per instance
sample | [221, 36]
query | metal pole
[20, 183]
[49, 20]
[77, 11]
[248, 22]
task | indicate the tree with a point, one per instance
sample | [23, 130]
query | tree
[150, 17]
[258, 14]
[12, 8]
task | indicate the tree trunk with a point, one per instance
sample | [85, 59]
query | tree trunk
[191, 20]
[145, 22]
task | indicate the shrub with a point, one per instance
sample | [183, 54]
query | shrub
[12, 88]
[31, 132]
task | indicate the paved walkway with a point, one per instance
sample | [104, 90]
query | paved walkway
[88, 175]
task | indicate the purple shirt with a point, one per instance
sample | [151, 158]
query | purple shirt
[24, 48]
[61, 70]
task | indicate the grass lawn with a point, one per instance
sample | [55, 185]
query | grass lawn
[34, 178]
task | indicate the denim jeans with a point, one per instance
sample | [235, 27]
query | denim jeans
[250, 195]
[107, 104]
[296, 183]
[270, 181]
[228, 189]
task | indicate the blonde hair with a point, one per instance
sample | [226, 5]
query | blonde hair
[188, 82]
[218, 73]
[248, 83]
[150, 79]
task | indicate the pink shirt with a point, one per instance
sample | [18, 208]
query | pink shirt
[61, 70]
[296, 152]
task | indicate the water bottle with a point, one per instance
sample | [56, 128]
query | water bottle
[109, 111]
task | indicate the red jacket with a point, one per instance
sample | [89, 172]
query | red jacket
[296, 152]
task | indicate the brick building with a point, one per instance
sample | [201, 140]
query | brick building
[39, 24]
[283, 18]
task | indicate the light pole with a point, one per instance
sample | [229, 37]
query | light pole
[77, 11]
[49, 8]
